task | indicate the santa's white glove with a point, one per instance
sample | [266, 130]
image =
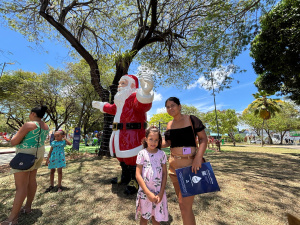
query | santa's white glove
[146, 83]
[98, 105]
[145, 94]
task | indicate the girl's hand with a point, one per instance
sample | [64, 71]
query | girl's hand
[152, 198]
[197, 162]
[159, 197]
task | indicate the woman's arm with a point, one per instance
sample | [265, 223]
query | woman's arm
[163, 182]
[140, 180]
[167, 143]
[22, 133]
[201, 150]
[49, 155]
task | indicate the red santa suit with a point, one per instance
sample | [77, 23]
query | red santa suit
[126, 143]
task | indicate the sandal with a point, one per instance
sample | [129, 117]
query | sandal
[59, 189]
[50, 188]
[23, 211]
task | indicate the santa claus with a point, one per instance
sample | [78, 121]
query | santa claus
[130, 107]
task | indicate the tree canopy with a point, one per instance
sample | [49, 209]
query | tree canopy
[68, 95]
[227, 121]
[276, 50]
[176, 37]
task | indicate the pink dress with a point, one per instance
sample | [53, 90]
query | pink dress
[152, 175]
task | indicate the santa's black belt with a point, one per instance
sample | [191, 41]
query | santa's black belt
[128, 126]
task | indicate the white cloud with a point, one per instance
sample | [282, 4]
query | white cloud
[199, 83]
[157, 97]
[218, 75]
[161, 110]
[207, 106]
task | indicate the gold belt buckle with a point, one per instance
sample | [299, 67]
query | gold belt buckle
[176, 157]
[115, 126]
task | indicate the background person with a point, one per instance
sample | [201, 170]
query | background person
[56, 159]
[180, 137]
[26, 141]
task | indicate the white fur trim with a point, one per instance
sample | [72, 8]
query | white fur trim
[122, 154]
[143, 98]
[110, 143]
[118, 113]
[98, 105]
[130, 81]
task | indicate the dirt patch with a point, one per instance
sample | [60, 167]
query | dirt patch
[4, 168]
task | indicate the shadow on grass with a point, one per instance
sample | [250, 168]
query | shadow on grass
[270, 175]
[31, 218]
[293, 154]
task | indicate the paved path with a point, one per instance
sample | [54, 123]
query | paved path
[275, 146]
[6, 154]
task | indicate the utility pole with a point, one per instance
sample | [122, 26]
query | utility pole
[212, 83]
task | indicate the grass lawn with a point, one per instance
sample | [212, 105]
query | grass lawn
[258, 186]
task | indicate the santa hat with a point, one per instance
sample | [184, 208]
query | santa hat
[132, 80]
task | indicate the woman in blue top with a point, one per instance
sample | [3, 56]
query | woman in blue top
[56, 158]
[29, 139]
[181, 135]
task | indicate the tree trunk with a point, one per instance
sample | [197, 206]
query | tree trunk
[81, 115]
[269, 135]
[232, 138]
[262, 134]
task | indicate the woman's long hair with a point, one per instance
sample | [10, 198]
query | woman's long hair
[40, 110]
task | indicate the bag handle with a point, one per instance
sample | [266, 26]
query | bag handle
[193, 128]
[37, 147]
[203, 159]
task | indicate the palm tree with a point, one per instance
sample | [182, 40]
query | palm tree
[264, 107]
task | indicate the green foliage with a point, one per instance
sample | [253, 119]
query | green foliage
[239, 138]
[262, 103]
[191, 110]
[287, 119]
[276, 50]
[67, 93]
[248, 118]
[15, 90]
[227, 120]
[160, 118]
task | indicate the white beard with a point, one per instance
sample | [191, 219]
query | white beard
[122, 94]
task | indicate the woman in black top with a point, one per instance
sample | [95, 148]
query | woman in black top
[180, 136]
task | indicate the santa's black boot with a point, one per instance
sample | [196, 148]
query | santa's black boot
[123, 178]
[133, 186]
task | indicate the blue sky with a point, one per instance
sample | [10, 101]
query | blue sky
[15, 48]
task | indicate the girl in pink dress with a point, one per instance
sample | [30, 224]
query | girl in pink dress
[151, 174]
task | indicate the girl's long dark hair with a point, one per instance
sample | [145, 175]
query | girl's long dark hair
[154, 130]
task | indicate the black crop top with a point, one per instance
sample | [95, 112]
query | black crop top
[185, 136]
